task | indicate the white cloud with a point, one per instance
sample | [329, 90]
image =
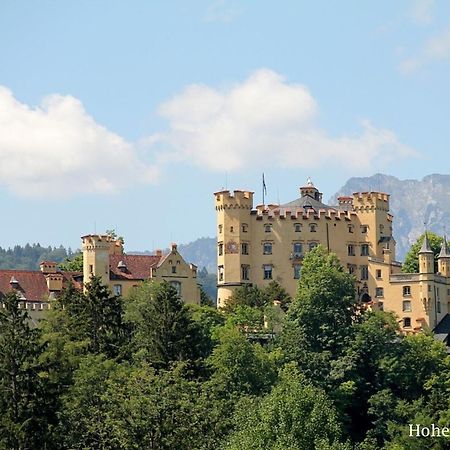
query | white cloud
[421, 11]
[436, 48]
[58, 149]
[265, 121]
[222, 11]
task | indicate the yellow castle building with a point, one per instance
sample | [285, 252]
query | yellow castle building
[104, 256]
[268, 242]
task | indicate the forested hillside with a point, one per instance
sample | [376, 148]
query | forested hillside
[29, 256]
[149, 372]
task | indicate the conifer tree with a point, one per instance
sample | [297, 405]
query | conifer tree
[22, 420]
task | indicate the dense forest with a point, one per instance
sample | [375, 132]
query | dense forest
[149, 372]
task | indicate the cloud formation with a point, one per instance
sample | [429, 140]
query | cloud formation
[58, 149]
[436, 48]
[266, 121]
[421, 11]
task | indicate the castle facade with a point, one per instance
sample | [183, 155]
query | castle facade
[268, 242]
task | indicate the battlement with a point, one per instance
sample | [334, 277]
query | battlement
[92, 242]
[370, 201]
[234, 199]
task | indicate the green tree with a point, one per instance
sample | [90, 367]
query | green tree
[241, 367]
[74, 264]
[411, 264]
[246, 295]
[275, 292]
[317, 326]
[22, 416]
[294, 415]
[112, 406]
[162, 328]
[94, 318]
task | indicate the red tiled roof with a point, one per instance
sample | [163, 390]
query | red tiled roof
[30, 282]
[138, 266]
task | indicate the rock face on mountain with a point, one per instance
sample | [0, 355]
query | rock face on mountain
[413, 204]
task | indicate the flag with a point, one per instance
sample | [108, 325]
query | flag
[264, 185]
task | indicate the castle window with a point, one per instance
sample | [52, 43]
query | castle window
[297, 227]
[117, 289]
[313, 227]
[406, 291]
[379, 292]
[381, 306]
[297, 271]
[245, 272]
[232, 229]
[351, 228]
[220, 229]
[91, 268]
[267, 248]
[406, 305]
[267, 228]
[378, 273]
[364, 273]
[407, 322]
[381, 229]
[220, 271]
[438, 306]
[244, 228]
[267, 272]
[365, 250]
[351, 268]
[364, 229]
[429, 288]
[244, 248]
[174, 269]
[351, 250]
[297, 248]
[220, 249]
[177, 286]
[312, 245]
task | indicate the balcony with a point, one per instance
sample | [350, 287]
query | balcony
[296, 256]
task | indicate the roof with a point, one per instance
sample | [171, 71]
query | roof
[425, 245]
[32, 283]
[442, 330]
[137, 266]
[444, 253]
[307, 201]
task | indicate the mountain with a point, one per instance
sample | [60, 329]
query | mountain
[413, 204]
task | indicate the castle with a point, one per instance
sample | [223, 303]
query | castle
[104, 257]
[268, 242]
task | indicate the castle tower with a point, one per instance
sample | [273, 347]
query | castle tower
[96, 250]
[444, 259]
[233, 241]
[426, 257]
[311, 191]
[372, 209]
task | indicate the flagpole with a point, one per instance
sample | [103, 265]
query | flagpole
[263, 186]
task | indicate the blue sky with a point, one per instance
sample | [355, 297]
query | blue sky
[129, 115]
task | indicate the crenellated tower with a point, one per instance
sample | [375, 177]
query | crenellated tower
[372, 209]
[233, 241]
[96, 250]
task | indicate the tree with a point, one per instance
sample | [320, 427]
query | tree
[411, 264]
[113, 406]
[74, 264]
[93, 318]
[318, 324]
[275, 292]
[163, 331]
[246, 295]
[22, 416]
[294, 415]
[241, 367]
